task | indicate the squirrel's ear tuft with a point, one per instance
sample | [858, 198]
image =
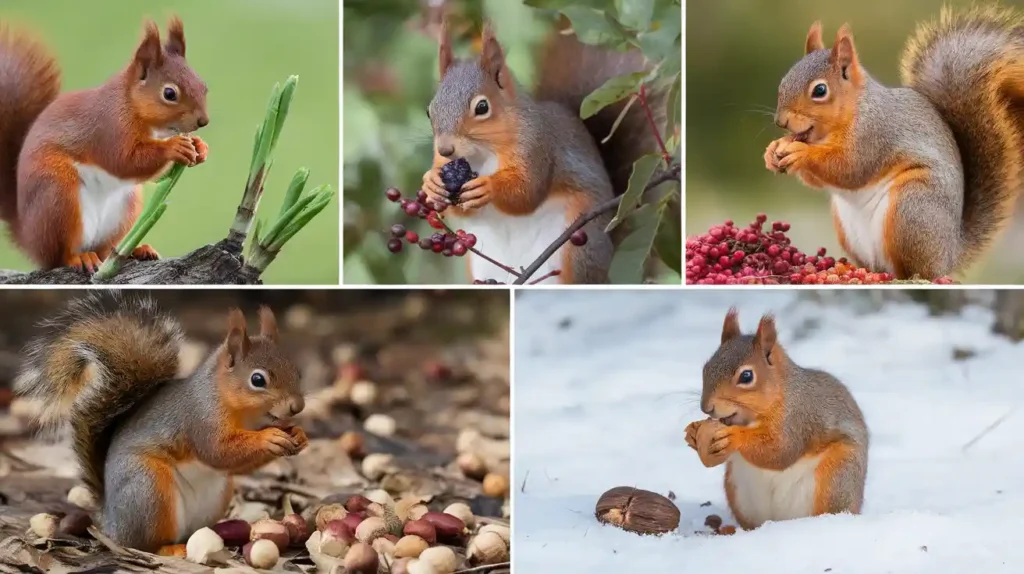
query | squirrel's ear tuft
[236, 345]
[268, 324]
[148, 55]
[766, 335]
[814, 43]
[844, 54]
[175, 37]
[444, 51]
[731, 328]
[492, 59]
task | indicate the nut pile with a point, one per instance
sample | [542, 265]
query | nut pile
[730, 255]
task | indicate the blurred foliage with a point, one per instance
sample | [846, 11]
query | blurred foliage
[737, 52]
[390, 74]
[241, 48]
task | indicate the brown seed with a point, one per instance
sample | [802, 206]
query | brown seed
[352, 443]
[635, 510]
[421, 528]
[75, 523]
[713, 521]
[298, 531]
[271, 530]
[410, 546]
[328, 513]
[472, 466]
[234, 532]
[495, 485]
[361, 558]
[449, 528]
[357, 503]
[353, 520]
[727, 530]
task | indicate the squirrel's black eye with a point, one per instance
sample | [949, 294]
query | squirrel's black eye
[482, 108]
[820, 91]
[170, 94]
[258, 380]
[746, 377]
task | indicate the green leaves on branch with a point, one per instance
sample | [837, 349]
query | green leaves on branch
[296, 211]
[643, 169]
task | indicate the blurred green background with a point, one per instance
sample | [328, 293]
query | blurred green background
[736, 54]
[390, 73]
[240, 48]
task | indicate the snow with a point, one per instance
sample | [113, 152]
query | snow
[606, 381]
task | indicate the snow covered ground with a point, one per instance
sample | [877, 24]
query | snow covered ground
[605, 383]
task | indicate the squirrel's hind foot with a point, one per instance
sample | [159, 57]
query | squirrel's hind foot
[88, 262]
[145, 253]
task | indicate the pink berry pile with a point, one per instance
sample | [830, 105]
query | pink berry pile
[730, 255]
[445, 242]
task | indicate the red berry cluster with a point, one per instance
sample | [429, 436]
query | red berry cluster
[730, 255]
[444, 242]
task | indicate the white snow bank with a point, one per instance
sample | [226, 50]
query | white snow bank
[605, 383]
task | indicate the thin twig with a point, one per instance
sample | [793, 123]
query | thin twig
[987, 430]
[670, 174]
[547, 275]
[484, 568]
[642, 96]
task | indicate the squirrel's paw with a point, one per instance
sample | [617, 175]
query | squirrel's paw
[476, 193]
[202, 150]
[434, 187]
[691, 434]
[771, 160]
[299, 438]
[791, 155]
[88, 262]
[713, 444]
[145, 252]
[180, 149]
[278, 442]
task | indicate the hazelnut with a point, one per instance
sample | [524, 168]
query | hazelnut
[376, 465]
[503, 531]
[328, 513]
[370, 529]
[449, 528]
[495, 485]
[362, 558]
[206, 547]
[353, 445]
[357, 503]
[441, 558]
[83, 498]
[635, 510]
[335, 539]
[262, 554]
[487, 548]
[472, 466]
[44, 525]
[381, 425]
[410, 546]
[75, 523]
[381, 497]
[462, 511]
[422, 529]
[235, 533]
[271, 530]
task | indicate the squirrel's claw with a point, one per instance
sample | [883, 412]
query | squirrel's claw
[476, 193]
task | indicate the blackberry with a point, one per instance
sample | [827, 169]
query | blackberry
[455, 174]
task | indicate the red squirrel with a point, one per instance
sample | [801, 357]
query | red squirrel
[72, 164]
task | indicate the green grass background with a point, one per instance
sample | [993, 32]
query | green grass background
[240, 48]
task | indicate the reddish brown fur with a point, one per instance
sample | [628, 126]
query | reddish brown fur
[577, 203]
[833, 458]
[115, 124]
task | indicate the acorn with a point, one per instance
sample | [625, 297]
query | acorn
[262, 554]
[487, 548]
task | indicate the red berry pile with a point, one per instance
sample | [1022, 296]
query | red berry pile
[445, 242]
[730, 255]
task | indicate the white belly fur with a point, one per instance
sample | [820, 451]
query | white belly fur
[512, 240]
[863, 213]
[761, 495]
[200, 496]
[104, 199]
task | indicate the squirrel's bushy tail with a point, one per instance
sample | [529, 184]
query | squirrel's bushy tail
[94, 362]
[570, 70]
[970, 65]
[29, 81]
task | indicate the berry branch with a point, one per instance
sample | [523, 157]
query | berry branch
[642, 98]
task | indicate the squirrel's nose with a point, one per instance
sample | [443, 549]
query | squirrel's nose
[296, 405]
[708, 410]
[446, 150]
[203, 121]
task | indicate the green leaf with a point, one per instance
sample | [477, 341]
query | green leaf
[628, 262]
[635, 14]
[593, 27]
[610, 92]
[643, 169]
[663, 40]
[669, 241]
[295, 188]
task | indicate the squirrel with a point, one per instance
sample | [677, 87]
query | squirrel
[159, 451]
[540, 166]
[794, 441]
[923, 177]
[72, 165]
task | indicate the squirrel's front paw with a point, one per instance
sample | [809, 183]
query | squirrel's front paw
[88, 262]
[181, 150]
[714, 443]
[299, 439]
[434, 187]
[691, 433]
[771, 160]
[791, 155]
[278, 442]
[202, 150]
[476, 193]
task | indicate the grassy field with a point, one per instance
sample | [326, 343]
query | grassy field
[240, 48]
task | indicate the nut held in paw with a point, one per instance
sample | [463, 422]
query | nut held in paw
[635, 510]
